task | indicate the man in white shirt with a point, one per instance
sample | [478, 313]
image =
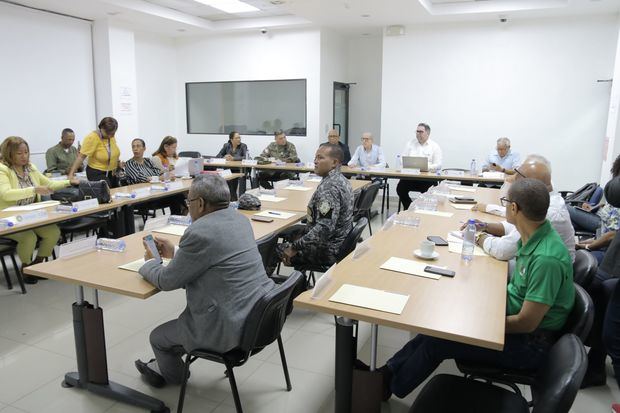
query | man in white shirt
[500, 239]
[503, 159]
[367, 154]
[422, 145]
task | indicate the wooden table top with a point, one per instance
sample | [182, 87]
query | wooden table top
[469, 308]
[99, 269]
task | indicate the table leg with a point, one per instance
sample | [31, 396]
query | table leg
[242, 181]
[374, 333]
[92, 374]
[346, 352]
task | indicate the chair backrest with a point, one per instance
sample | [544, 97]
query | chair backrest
[579, 321]
[367, 197]
[267, 247]
[584, 268]
[349, 243]
[561, 376]
[263, 325]
[583, 194]
[189, 154]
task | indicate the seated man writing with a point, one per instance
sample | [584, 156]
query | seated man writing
[330, 216]
[222, 281]
[539, 298]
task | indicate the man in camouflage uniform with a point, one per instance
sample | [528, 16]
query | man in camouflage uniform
[330, 216]
[283, 151]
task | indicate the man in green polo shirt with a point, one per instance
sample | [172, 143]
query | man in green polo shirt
[60, 157]
[540, 296]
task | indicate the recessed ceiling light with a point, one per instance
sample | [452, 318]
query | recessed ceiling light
[229, 6]
[113, 13]
[277, 2]
[365, 15]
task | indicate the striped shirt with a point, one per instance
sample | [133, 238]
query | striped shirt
[137, 173]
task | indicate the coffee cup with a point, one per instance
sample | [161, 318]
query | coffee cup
[427, 248]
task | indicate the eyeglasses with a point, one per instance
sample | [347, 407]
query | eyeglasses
[189, 201]
[519, 173]
[419, 131]
[505, 201]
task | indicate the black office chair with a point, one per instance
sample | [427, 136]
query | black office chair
[261, 328]
[347, 247]
[584, 268]
[189, 154]
[365, 201]
[557, 385]
[95, 222]
[579, 323]
[266, 247]
[8, 247]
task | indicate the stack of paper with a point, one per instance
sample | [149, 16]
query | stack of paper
[32, 207]
[455, 245]
[270, 198]
[275, 214]
[435, 213]
[298, 188]
[370, 298]
[461, 188]
[409, 267]
[137, 264]
[172, 229]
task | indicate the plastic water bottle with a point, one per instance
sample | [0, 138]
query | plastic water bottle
[469, 241]
[247, 155]
[472, 168]
[399, 162]
[180, 220]
[109, 244]
[35, 215]
[5, 223]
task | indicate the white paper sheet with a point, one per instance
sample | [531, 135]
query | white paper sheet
[461, 188]
[271, 198]
[172, 229]
[137, 264]
[298, 188]
[457, 246]
[314, 179]
[493, 175]
[410, 267]
[370, 298]
[462, 206]
[275, 214]
[435, 213]
[32, 207]
[181, 167]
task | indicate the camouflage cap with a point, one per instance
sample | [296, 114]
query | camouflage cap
[249, 202]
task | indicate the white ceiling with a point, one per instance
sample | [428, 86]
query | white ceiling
[352, 17]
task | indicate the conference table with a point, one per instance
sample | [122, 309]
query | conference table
[98, 269]
[469, 308]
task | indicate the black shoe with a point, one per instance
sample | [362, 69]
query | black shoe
[149, 375]
[29, 279]
[387, 380]
[593, 379]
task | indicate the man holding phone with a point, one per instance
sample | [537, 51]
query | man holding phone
[539, 298]
[503, 159]
[222, 281]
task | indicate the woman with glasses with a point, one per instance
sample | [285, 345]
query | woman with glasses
[234, 150]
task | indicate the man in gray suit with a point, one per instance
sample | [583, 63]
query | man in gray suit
[223, 276]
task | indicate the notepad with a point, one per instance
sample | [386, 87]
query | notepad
[461, 188]
[457, 247]
[462, 206]
[409, 267]
[271, 198]
[172, 229]
[275, 214]
[314, 179]
[370, 298]
[436, 213]
[297, 188]
[32, 207]
[137, 264]
[493, 175]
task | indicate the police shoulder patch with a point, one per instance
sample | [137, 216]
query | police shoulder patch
[325, 207]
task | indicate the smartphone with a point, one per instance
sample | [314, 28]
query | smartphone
[261, 219]
[462, 200]
[440, 242]
[440, 271]
[150, 244]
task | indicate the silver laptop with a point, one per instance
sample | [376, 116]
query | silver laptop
[416, 162]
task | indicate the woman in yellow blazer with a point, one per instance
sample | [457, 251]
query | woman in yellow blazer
[21, 184]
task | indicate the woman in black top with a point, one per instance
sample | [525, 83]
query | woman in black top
[139, 170]
[233, 150]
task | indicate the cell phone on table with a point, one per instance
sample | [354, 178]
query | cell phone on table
[261, 219]
[440, 242]
[150, 244]
[439, 271]
[462, 200]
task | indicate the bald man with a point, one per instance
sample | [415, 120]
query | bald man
[367, 154]
[500, 239]
[333, 137]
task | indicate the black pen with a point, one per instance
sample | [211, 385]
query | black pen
[273, 213]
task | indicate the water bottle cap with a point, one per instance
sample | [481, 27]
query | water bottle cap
[9, 224]
[472, 221]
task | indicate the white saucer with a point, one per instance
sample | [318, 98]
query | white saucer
[418, 254]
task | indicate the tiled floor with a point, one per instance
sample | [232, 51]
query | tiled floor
[36, 349]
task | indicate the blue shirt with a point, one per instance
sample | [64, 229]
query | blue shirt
[365, 159]
[510, 161]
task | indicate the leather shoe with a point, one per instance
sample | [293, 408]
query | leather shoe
[149, 375]
[593, 379]
[29, 279]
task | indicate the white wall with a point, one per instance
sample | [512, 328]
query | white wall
[46, 77]
[251, 56]
[533, 81]
[364, 61]
[157, 95]
[333, 69]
